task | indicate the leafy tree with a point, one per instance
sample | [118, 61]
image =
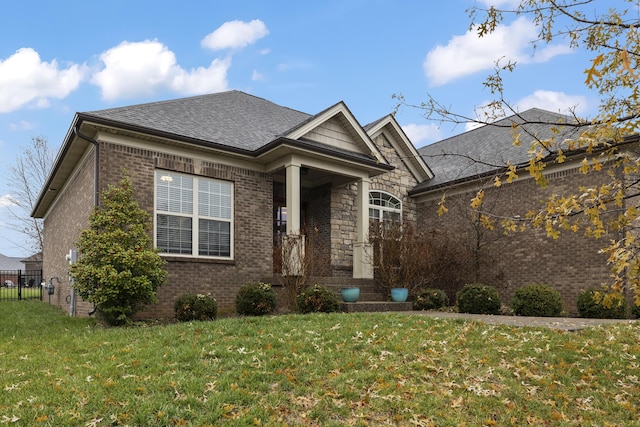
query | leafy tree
[118, 269]
[26, 177]
[602, 143]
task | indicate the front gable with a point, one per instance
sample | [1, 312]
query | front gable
[393, 135]
[338, 128]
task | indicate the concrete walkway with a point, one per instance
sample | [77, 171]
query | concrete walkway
[561, 323]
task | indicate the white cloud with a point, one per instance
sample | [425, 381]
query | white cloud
[203, 80]
[468, 54]
[422, 134]
[558, 102]
[21, 125]
[510, 4]
[6, 200]
[235, 34]
[141, 68]
[26, 79]
[257, 76]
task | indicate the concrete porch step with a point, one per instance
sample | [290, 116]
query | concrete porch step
[374, 306]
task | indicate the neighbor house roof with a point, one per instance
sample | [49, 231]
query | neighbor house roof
[10, 263]
[483, 150]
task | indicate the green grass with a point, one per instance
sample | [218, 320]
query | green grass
[12, 293]
[336, 369]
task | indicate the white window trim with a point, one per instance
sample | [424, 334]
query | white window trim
[385, 208]
[194, 216]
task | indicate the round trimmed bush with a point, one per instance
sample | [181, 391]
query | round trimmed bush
[430, 299]
[317, 299]
[195, 307]
[537, 300]
[590, 307]
[256, 299]
[478, 299]
[635, 311]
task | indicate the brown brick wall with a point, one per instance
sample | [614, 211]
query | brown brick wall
[62, 227]
[569, 264]
[222, 279]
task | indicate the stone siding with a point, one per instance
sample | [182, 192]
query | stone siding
[397, 182]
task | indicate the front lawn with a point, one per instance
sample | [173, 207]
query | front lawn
[337, 369]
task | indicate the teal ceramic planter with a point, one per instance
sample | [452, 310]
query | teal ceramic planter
[399, 294]
[350, 294]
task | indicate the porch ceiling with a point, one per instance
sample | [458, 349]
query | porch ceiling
[311, 178]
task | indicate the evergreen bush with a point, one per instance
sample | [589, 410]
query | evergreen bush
[430, 299]
[118, 268]
[537, 300]
[317, 299]
[597, 304]
[478, 299]
[256, 299]
[195, 307]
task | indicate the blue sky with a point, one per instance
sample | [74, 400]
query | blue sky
[58, 58]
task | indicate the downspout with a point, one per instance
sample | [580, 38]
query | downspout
[96, 196]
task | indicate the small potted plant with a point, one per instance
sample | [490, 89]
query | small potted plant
[350, 294]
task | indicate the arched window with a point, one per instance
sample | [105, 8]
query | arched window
[384, 207]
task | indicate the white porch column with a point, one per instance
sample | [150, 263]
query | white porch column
[362, 255]
[293, 243]
[293, 199]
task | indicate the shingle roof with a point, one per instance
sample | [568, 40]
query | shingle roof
[484, 149]
[10, 263]
[234, 119]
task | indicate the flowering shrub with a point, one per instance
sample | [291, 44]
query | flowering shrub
[195, 307]
[609, 306]
[537, 300]
[478, 299]
[430, 299]
[256, 299]
[317, 299]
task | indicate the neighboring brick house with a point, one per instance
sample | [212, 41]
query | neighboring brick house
[465, 163]
[225, 175]
[221, 175]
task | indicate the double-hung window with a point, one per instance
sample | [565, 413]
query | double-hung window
[384, 207]
[194, 215]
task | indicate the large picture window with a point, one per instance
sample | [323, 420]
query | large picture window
[194, 215]
[384, 207]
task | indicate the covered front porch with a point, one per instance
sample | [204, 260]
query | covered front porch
[321, 220]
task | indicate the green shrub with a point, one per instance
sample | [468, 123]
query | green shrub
[609, 306]
[537, 300]
[635, 311]
[430, 299]
[195, 307]
[256, 299]
[317, 299]
[478, 299]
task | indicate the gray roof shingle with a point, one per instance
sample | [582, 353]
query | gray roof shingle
[234, 119]
[484, 149]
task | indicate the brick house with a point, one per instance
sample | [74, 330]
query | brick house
[225, 175]
[260, 170]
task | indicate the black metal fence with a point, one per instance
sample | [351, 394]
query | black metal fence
[19, 285]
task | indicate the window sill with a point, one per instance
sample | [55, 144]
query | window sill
[190, 259]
